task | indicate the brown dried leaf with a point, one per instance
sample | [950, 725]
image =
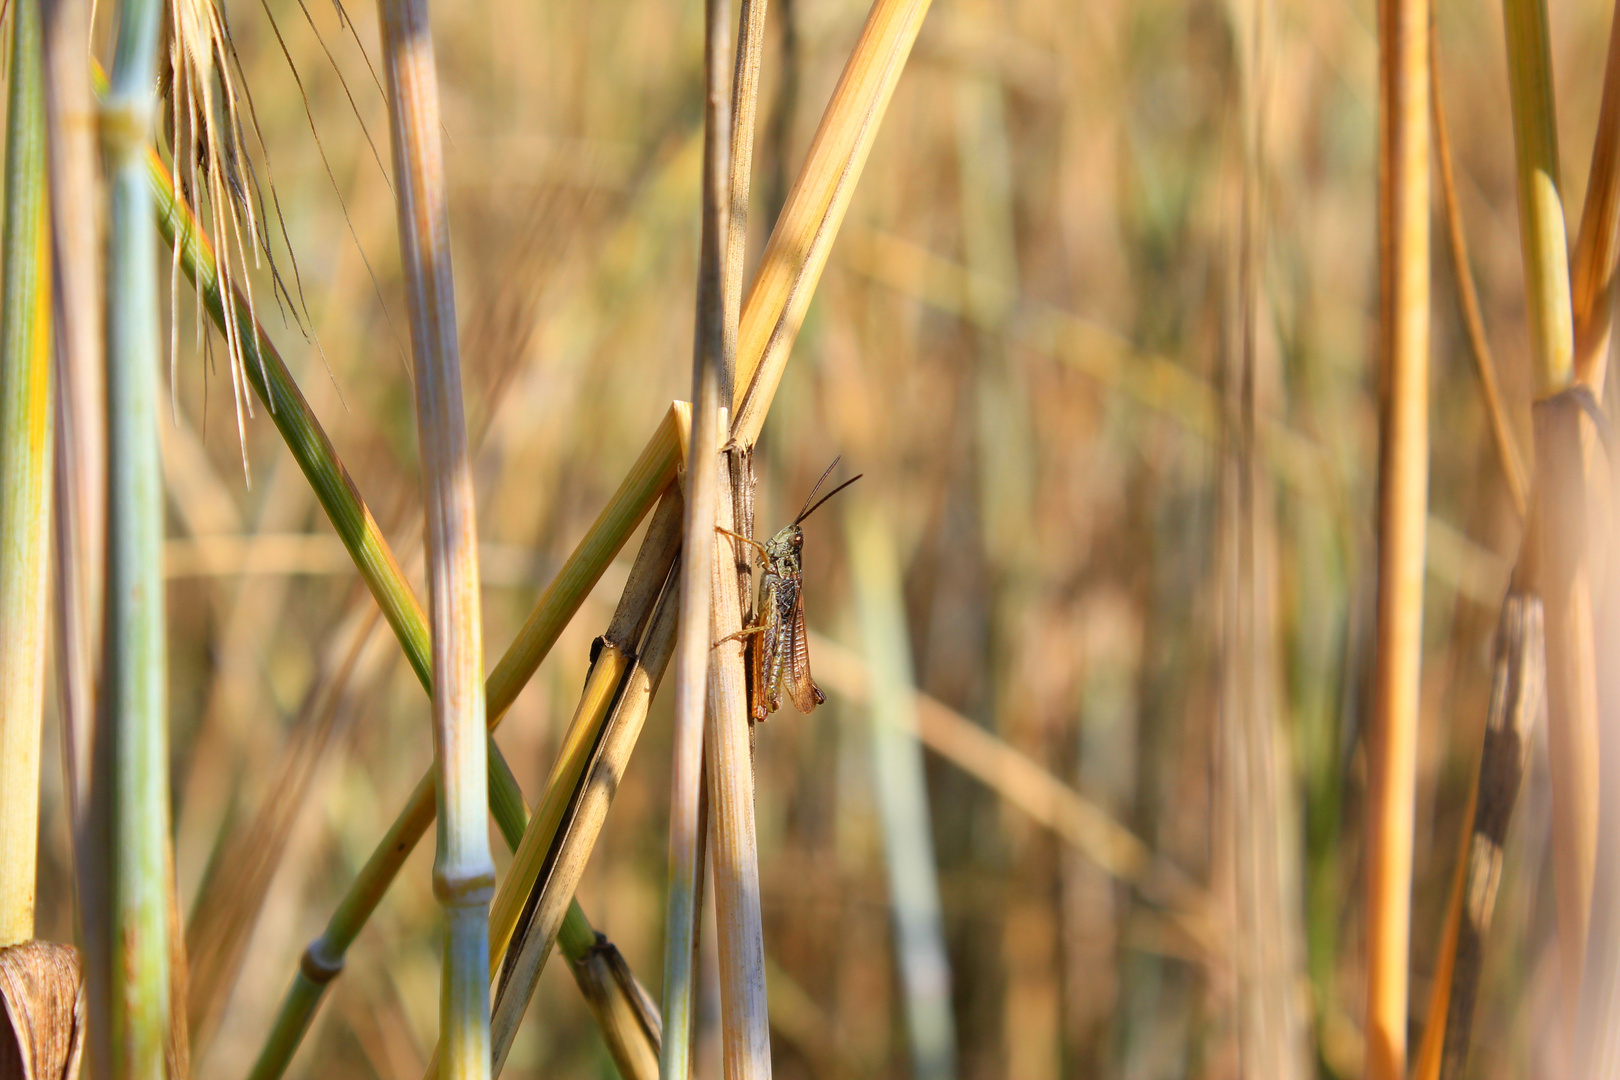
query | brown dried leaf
[43, 993]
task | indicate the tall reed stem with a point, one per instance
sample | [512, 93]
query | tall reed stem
[1403, 467]
[129, 985]
[710, 367]
[463, 872]
[25, 465]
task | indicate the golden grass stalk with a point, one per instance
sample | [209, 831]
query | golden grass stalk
[534, 898]
[1402, 510]
[129, 950]
[1508, 452]
[25, 469]
[463, 871]
[744, 121]
[712, 360]
[612, 659]
[79, 496]
[802, 237]
[902, 792]
[550, 897]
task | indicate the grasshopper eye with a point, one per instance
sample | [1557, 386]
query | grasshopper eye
[797, 540]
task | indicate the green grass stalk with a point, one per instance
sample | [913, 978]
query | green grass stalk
[25, 468]
[129, 984]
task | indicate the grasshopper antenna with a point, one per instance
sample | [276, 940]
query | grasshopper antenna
[804, 511]
[824, 498]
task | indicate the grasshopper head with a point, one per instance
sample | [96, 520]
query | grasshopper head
[785, 544]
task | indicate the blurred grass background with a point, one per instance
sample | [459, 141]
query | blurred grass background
[1017, 342]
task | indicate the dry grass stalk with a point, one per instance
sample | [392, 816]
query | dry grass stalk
[42, 1012]
[1257, 806]
[711, 370]
[628, 1017]
[25, 470]
[463, 873]
[1403, 508]
[535, 841]
[554, 888]
[744, 121]
[802, 237]
[733, 856]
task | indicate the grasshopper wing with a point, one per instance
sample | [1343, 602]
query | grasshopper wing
[801, 687]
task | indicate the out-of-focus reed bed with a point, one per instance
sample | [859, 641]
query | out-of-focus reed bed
[1204, 529]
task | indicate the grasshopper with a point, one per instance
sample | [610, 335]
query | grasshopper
[781, 656]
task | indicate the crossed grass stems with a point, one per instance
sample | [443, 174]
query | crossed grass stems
[627, 667]
[534, 906]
